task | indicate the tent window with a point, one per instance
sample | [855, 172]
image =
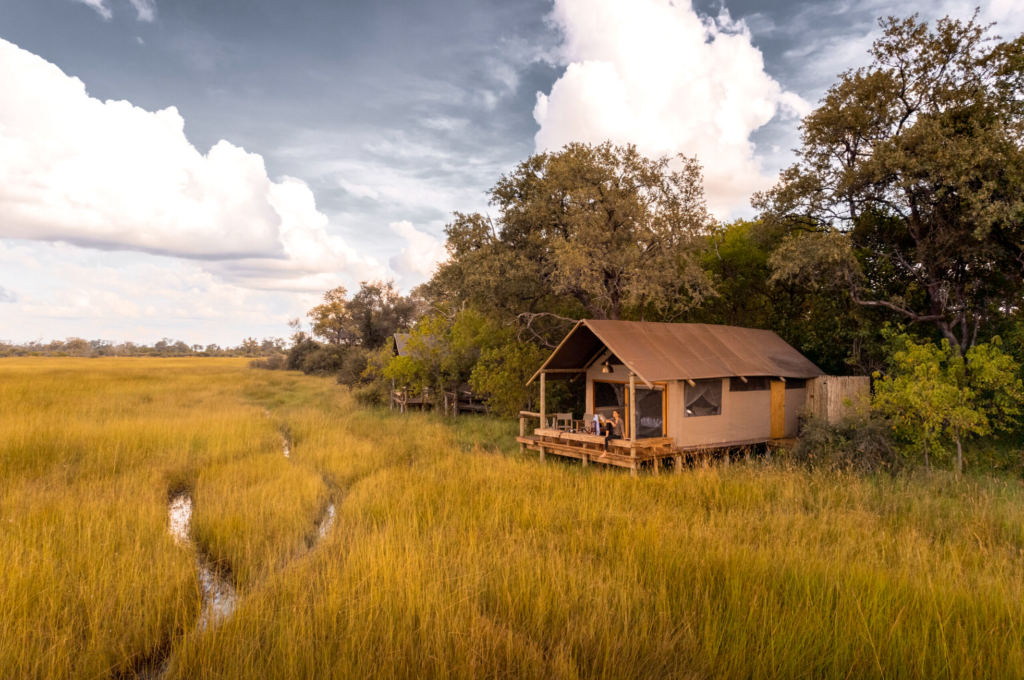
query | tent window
[650, 413]
[703, 398]
[796, 384]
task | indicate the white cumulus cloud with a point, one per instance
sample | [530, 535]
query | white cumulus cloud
[113, 176]
[422, 255]
[655, 74]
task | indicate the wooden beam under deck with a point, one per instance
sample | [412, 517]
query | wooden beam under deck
[624, 453]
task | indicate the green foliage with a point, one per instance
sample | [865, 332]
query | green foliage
[596, 231]
[909, 189]
[502, 372]
[379, 311]
[373, 386]
[312, 357]
[856, 444]
[332, 319]
[444, 352]
[441, 351]
[354, 365]
[352, 329]
[934, 393]
[836, 334]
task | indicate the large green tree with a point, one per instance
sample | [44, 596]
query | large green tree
[379, 311]
[909, 189]
[332, 319]
[589, 231]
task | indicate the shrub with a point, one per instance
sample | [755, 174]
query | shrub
[353, 367]
[310, 356]
[372, 394]
[325, 359]
[297, 354]
[857, 444]
[935, 392]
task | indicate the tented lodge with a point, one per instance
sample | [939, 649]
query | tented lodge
[678, 387]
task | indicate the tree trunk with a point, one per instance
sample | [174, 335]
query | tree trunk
[959, 452]
[927, 463]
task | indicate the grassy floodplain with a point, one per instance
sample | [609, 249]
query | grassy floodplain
[452, 556]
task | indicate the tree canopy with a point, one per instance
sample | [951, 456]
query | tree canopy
[588, 231]
[332, 319]
[907, 192]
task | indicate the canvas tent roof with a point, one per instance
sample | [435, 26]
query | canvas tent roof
[400, 341]
[658, 352]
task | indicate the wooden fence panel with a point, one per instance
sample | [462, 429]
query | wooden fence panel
[834, 397]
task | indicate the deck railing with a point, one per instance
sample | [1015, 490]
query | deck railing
[523, 415]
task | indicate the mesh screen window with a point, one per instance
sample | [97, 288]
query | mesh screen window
[703, 398]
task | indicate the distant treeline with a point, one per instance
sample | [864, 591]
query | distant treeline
[79, 347]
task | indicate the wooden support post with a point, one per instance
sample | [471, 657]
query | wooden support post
[633, 469]
[632, 410]
[679, 463]
[657, 466]
[522, 433]
[543, 406]
[542, 452]
[586, 459]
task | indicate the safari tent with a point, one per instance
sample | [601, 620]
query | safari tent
[684, 386]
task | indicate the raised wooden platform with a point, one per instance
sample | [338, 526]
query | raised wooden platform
[653, 452]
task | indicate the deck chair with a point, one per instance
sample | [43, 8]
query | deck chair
[563, 421]
[588, 423]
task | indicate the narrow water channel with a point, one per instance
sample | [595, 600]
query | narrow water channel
[326, 522]
[218, 595]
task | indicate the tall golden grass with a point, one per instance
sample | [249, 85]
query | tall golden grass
[452, 556]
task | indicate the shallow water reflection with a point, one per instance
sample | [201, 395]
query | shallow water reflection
[326, 522]
[218, 595]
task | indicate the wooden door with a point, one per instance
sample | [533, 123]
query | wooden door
[778, 409]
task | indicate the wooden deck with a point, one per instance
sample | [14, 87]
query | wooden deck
[589, 448]
[653, 453]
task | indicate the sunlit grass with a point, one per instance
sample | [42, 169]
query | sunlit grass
[453, 556]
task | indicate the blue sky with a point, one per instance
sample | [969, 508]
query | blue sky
[203, 171]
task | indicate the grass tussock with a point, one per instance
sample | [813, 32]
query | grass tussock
[452, 556]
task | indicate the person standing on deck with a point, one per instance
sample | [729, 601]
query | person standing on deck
[612, 429]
